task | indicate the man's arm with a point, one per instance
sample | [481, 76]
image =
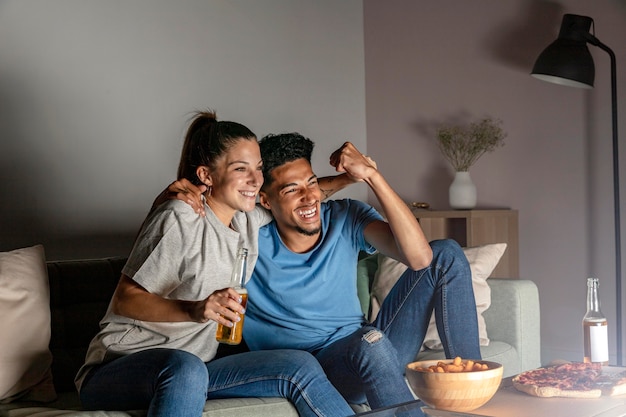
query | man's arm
[401, 237]
[192, 194]
[183, 190]
[330, 185]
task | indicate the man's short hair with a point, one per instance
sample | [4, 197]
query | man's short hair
[277, 150]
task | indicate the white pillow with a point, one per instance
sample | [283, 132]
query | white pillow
[25, 326]
[482, 260]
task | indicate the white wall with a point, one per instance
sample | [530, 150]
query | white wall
[95, 97]
[429, 61]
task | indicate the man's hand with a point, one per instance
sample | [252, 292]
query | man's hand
[357, 166]
[184, 190]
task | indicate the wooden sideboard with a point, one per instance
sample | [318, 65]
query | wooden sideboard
[475, 228]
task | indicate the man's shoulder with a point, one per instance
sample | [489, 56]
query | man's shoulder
[346, 205]
[343, 203]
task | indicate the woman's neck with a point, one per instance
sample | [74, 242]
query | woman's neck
[224, 213]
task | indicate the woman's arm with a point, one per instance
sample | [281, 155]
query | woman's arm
[133, 301]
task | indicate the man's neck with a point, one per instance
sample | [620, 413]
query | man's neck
[298, 242]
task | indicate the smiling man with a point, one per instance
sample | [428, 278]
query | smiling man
[302, 294]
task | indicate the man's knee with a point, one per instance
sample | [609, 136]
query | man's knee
[446, 247]
[377, 352]
[372, 336]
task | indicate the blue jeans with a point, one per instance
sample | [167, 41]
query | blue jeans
[169, 382]
[369, 364]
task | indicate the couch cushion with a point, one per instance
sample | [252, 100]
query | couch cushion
[482, 259]
[25, 326]
[80, 291]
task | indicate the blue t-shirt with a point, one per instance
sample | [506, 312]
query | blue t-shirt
[308, 300]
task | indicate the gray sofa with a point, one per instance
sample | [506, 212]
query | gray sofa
[80, 291]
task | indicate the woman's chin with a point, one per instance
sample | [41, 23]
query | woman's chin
[248, 206]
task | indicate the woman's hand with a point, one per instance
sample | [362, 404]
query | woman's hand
[184, 190]
[222, 307]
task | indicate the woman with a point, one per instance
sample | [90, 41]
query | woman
[156, 347]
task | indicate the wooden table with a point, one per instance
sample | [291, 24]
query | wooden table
[509, 402]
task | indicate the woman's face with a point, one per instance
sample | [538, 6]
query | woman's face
[236, 179]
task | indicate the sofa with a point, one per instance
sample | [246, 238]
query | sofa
[81, 289]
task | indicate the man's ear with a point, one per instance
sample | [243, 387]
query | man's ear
[204, 174]
[263, 200]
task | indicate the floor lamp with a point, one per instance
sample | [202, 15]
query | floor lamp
[567, 61]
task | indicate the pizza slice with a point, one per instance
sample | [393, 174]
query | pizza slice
[612, 384]
[571, 380]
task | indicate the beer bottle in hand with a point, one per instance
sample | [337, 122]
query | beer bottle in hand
[233, 335]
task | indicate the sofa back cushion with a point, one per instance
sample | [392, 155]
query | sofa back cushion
[24, 326]
[80, 291]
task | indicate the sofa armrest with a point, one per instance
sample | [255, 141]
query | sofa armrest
[513, 317]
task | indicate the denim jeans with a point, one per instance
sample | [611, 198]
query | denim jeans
[169, 382]
[369, 364]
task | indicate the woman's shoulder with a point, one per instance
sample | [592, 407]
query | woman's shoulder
[173, 211]
[258, 217]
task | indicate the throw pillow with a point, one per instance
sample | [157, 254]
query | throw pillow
[25, 326]
[482, 259]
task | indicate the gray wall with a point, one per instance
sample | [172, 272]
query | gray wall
[430, 61]
[95, 97]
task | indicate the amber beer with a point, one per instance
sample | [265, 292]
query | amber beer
[233, 335]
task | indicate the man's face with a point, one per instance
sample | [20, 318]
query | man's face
[294, 199]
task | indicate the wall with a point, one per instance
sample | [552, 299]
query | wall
[95, 97]
[428, 62]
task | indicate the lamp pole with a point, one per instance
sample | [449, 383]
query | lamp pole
[616, 199]
[574, 33]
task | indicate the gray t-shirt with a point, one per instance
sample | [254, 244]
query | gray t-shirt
[177, 255]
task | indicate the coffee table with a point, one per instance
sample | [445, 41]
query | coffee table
[410, 408]
[509, 402]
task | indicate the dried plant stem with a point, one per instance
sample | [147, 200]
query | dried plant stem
[463, 145]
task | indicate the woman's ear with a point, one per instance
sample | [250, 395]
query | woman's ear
[263, 200]
[204, 174]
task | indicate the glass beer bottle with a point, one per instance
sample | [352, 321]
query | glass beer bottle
[233, 335]
[595, 330]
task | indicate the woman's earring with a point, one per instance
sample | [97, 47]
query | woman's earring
[210, 190]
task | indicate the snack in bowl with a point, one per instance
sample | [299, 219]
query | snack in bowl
[454, 384]
[571, 380]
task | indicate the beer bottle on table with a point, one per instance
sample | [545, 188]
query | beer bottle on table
[233, 335]
[595, 330]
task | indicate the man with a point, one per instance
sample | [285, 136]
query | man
[303, 294]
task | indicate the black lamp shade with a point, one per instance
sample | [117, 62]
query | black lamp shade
[567, 60]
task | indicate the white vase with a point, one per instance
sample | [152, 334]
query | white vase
[462, 191]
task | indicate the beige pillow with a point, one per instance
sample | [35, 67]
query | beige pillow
[482, 260]
[25, 326]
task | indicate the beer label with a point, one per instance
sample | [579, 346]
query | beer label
[599, 343]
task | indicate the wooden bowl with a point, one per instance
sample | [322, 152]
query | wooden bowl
[454, 391]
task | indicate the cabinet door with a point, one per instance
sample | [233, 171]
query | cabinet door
[475, 228]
